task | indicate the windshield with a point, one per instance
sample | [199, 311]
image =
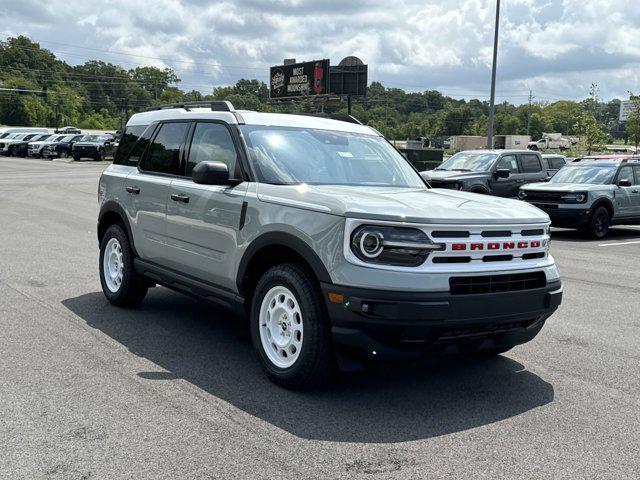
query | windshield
[287, 156]
[469, 162]
[68, 138]
[94, 138]
[594, 174]
[40, 138]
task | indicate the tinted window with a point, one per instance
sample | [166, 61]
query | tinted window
[556, 163]
[637, 170]
[212, 142]
[508, 162]
[163, 155]
[530, 163]
[626, 173]
[127, 142]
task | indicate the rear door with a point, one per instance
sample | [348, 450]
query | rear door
[507, 187]
[203, 220]
[147, 190]
[635, 192]
[531, 168]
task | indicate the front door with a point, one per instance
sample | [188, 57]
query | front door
[507, 187]
[203, 220]
[626, 196]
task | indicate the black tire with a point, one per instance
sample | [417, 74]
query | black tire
[132, 288]
[315, 362]
[10, 152]
[533, 148]
[599, 223]
[101, 156]
[63, 154]
[76, 158]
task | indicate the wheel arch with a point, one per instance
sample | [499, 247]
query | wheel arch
[112, 213]
[274, 248]
[603, 202]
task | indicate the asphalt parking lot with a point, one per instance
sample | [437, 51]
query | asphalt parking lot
[172, 389]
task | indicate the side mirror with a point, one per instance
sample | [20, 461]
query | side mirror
[502, 173]
[546, 179]
[624, 182]
[212, 173]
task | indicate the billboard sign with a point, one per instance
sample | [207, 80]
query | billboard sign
[626, 107]
[299, 79]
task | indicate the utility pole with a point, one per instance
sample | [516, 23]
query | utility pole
[492, 102]
[529, 113]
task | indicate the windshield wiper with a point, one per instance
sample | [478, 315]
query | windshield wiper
[461, 170]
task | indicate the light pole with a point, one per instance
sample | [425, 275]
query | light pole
[492, 101]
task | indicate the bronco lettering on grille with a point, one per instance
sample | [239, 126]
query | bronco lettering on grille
[495, 246]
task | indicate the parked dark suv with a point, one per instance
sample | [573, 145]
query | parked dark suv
[494, 172]
[60, 148]
[97, 147]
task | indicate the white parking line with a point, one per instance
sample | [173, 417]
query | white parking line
[618, 243]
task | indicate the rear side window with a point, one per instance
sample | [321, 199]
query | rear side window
[636, 169]
[530, 164]
[556, 163]
[508, 162]
[163, 155]
[127, 142]
[212, 142]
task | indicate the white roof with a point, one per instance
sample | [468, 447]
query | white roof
[250, 118]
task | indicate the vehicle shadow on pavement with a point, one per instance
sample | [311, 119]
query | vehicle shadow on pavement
[615, 234]
[208, 348]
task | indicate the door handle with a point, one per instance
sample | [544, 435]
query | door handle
[133, 189]
[180, 197]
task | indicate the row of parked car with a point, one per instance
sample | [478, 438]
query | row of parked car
[39, 143]
[589, 194]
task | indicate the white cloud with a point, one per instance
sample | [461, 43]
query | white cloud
[556, 46]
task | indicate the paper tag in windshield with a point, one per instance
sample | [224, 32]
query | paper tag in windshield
[345, 154]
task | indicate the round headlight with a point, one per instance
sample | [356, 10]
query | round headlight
[580, 197]
[522, 195]
[371, 244]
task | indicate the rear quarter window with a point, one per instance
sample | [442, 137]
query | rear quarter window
[530, 163]
[125, 154]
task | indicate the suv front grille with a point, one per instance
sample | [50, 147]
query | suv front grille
[496, 283]
[555, 197]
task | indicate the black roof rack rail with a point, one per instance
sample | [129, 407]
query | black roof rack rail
[215, 105]
[343, 117]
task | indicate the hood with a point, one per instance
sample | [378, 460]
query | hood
[88, 144]
[41, 143]
[451, 175]
[12, 141]
[415, 205]
[562, 187]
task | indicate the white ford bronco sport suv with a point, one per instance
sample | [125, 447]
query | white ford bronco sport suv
[323, 235]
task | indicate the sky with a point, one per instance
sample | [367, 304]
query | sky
[555, 48]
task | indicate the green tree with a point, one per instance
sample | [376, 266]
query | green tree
[591, 132]
[633, 121]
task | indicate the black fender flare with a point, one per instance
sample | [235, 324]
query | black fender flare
[479, 188]
[603, 202]
[109, 207]
[288, 240]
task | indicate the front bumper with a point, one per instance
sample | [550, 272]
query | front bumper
[85, 152]
[565, 217]
[389, 325]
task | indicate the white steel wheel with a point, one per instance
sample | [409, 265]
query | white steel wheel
[281, 327]
[113, 265]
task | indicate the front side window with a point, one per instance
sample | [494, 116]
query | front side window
[626, 173]
[589, 174]
[530, 164]
[163, 155]
[469, 162]
[288, 155]
[212, 142]
[508, 162]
